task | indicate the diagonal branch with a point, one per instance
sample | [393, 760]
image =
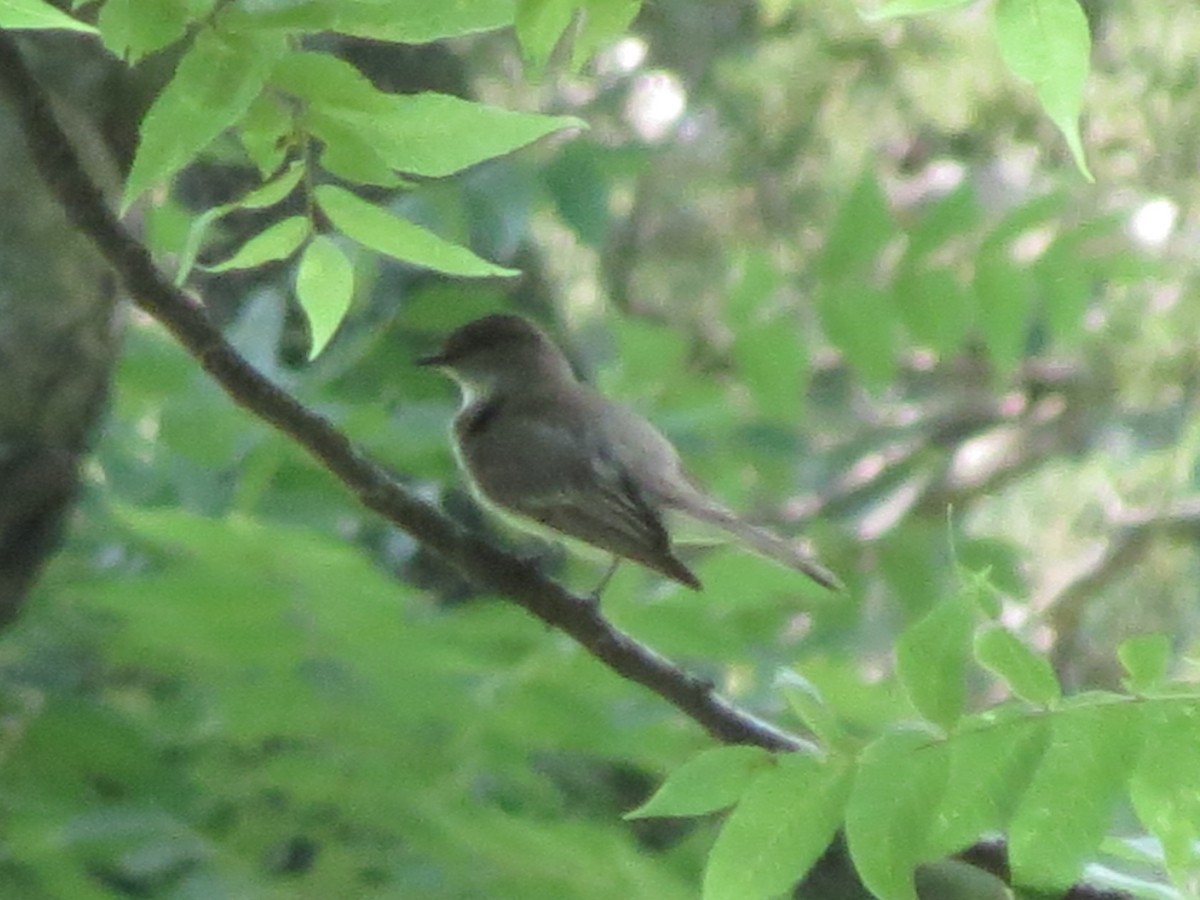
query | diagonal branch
[187, 320]
[491, 568]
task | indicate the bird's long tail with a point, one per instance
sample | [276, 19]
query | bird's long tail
[758, 539]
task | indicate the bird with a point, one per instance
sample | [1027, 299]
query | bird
[538, 443]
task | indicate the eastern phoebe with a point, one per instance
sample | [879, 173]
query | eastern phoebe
[538, 443]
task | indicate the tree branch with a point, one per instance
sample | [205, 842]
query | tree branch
[187, 320]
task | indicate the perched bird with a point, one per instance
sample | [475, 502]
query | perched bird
[539, 443]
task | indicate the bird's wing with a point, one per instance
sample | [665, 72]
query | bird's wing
[560, 471]
[654, 465]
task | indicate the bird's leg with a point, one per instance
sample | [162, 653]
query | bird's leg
[608, 574]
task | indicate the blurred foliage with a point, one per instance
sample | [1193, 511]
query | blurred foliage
[852, 270]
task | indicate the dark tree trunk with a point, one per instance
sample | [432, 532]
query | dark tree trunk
[58, 334]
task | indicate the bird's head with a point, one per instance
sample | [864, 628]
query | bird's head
[500, 352]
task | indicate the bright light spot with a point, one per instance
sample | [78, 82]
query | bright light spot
[1154, 221]
[626, 55]
[656, 102]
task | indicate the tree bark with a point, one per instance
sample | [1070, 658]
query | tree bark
[58, 340]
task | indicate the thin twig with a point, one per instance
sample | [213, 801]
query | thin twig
[486, 565]
[187, 320]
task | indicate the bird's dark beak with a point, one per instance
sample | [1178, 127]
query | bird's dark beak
[433, 359]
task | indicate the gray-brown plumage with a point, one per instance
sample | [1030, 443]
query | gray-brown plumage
[538, 443]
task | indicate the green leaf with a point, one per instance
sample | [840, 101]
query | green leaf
[214, 85]
[292, 16]
[324, 287]
[131, 29]
[1165, 787]
[1027, 675]
[579, 183]
[1004, 297]
[37, 14]
[262, 197]
[1066, 288]
[604, 22]
[862, 228]
[437, 135]
[323, 79]
[934, 307]
[423, 21]
[266, 132]
[1043, 210]
[999, 559]
[278, 241]
[805, 700]
[897, 8]
[953, 879]
[957, 216]
[348, 154]
[773, 364]
[710, 781]
[1046, 42]
[897, 789]
[931, 660]
[753, 290]
[1068, 806]
[385, 233]
[860, 321]
[274, 191]
[70, 744]
[780, 827]
[539, 25]
[993, 756]
[1146, 658]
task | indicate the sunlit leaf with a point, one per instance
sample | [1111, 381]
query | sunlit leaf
[708, 782]
[262, 197]
[278, 241]
[323, 79]
[1028, 675]
[1047, 42]
[38, 14]
[350, 155]
[539, 25]
[213, 86]
[437, 135]
[1069, 804]
[422, 21]
[1146, 658]
[897, 789]
[324, 287]
[810, 707]
[993, 756]
[389, 234]
[1165, 787]
[931, 660]
[132, 29]
[603, 23]
[780, 827]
